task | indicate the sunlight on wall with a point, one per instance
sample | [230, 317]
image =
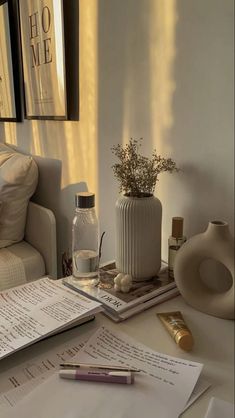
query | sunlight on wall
[149, 78]
[88, 92]
[35, 147]
[10, 133]
[162, 54]
[58, 16]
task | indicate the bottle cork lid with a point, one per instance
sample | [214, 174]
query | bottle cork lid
[177, 227]
[84, 200]
[184, 339]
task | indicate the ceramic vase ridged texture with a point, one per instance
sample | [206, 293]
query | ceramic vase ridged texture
[138, 236]
[217, 244]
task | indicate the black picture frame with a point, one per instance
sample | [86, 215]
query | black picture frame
[11, 93]
[43, 55]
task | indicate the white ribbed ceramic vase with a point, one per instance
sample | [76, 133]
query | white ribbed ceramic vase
[217, 244]
[138, 236]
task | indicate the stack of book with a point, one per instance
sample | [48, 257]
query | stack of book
[120, 306]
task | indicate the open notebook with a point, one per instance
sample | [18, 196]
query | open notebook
[39, 309]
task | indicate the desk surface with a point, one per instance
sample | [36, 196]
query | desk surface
[214, 346]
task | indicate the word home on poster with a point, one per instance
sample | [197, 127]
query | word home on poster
[42, 33]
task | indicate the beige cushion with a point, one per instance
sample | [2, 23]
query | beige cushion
[18, 181]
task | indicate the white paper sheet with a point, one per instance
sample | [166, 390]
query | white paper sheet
[174, 378]
[161, 390]
[32, 311]
[201, 386]
[19, 381]
[220, 409]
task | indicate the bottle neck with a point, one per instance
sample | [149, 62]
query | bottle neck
[84, 210]
[177, 240]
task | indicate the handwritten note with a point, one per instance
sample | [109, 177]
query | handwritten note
[161, 389]
[172, 378]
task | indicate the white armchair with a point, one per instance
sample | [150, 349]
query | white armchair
[33, 257]
[40, 233]
[29, 253]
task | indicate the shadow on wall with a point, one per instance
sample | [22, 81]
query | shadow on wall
[61, 202]
[49, 182]
[48, 190]
[67, 209]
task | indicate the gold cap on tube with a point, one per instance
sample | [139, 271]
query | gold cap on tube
[184, 340]
[177, 227]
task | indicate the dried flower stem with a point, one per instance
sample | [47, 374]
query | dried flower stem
[137, 174]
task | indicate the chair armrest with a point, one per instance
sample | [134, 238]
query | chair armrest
[40, 232]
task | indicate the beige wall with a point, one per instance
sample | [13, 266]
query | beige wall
[157, 69]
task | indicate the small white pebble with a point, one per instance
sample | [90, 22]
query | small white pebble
[118, 278]
[123, 283]
[125, 289]
[126, 280]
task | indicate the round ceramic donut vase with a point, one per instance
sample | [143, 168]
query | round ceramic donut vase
[215, 243]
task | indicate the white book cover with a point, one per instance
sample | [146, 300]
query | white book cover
[143, 306]
[118, 302]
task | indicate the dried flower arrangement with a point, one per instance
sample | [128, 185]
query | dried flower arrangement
[136, 173]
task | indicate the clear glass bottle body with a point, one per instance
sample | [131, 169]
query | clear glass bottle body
[85, 246]
[174, 245]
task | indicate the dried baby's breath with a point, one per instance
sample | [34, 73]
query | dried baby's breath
[136, 173]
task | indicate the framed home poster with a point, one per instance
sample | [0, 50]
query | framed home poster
[9, 103]
[42, 38]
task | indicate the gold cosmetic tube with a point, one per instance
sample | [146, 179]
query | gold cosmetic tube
[175, 325]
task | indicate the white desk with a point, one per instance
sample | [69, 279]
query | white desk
[214, 347]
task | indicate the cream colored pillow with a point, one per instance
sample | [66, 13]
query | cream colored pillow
[18, 181]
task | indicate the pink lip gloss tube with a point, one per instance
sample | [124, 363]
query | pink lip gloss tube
[98, 376]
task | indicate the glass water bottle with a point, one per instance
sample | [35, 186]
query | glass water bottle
[85, 240]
